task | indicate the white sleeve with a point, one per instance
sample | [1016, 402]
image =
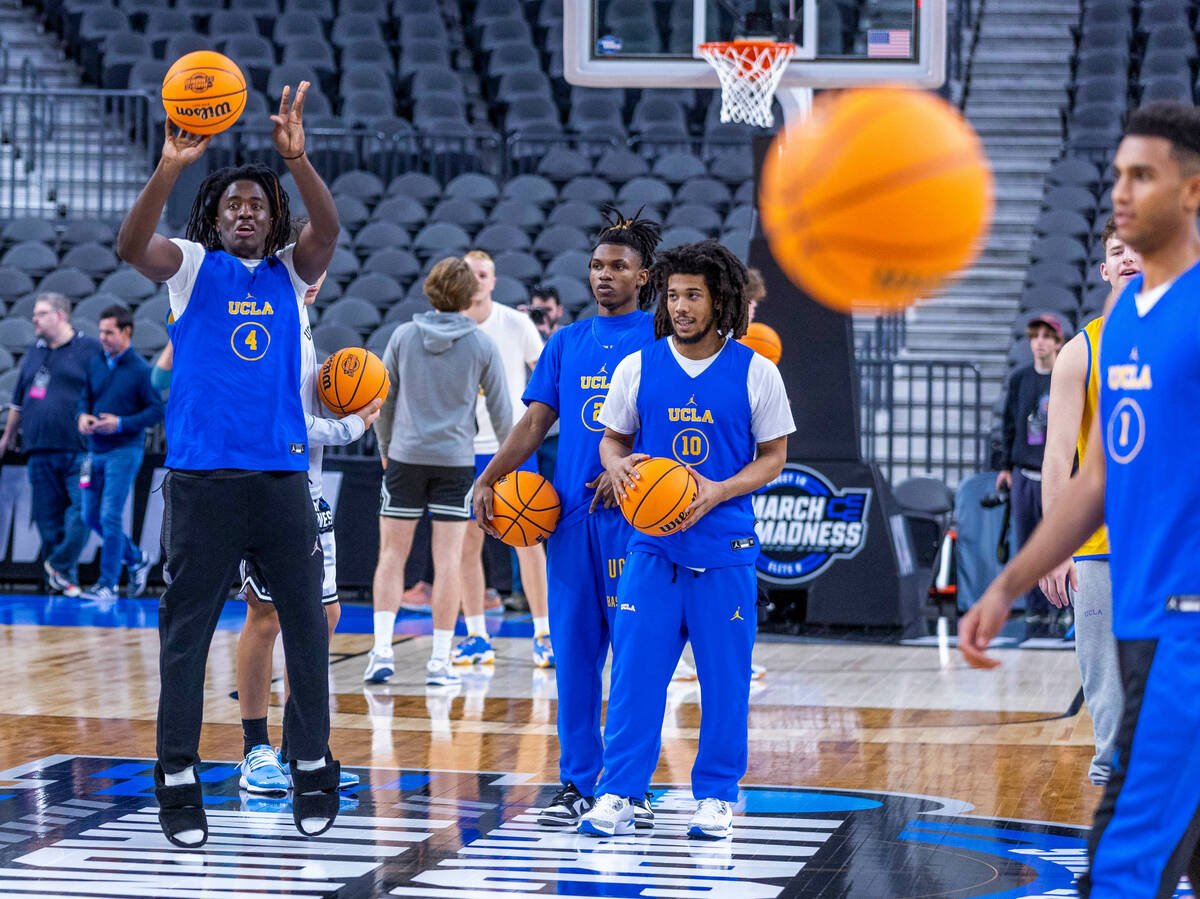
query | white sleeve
[179, 285]
[285, 256]
[770, 412]
[333, 431]
[619, 411]
[531, 341]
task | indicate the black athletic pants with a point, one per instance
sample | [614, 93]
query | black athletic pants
[211, 521]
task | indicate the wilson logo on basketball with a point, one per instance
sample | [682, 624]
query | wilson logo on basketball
[197, 82]
[203, 113]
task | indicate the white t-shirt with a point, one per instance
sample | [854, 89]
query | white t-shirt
[770, 413]
[179, 285]
[1148, 299]
[520, 345]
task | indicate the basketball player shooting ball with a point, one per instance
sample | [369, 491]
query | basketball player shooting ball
[1145, 485]
[698, 583]
[236, 446]
[585, 551]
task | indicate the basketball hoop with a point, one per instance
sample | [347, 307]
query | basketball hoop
[749, 73]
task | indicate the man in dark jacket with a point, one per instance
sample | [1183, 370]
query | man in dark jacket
[116, 406]
[44, 405]
[1022, 448]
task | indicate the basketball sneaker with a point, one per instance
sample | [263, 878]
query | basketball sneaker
[262, 772]
[475, 650]
[566, 808]
[713, 820]
[100, 593]
[611, 816]
[139, 573]
[380, 666]
[441, 674]
[60, 583]
[543, 651]
[643, 814]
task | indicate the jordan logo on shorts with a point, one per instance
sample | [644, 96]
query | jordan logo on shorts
[737, 615]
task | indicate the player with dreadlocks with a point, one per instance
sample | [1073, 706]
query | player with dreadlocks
[236, 446]
[730, 406]
[585, 551]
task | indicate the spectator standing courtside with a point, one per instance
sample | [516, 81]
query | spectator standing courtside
[117, 404]
[44, 407]
[1022, 449]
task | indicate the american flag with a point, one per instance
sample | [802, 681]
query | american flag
[893, 44]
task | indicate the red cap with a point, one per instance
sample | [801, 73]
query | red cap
[1050, 321]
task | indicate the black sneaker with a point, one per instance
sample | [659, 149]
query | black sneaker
[566, 808]
[643, 814]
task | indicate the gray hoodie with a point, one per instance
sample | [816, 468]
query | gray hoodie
[439, 362]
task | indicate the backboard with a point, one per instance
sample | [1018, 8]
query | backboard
[840, 43]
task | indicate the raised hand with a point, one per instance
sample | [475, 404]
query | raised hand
[181, 148]
[288, 133]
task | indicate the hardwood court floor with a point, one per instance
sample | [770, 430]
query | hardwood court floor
[887, 724]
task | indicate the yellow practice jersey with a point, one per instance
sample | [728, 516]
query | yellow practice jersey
[1097, 544]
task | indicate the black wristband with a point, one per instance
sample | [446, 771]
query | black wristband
[297, 156]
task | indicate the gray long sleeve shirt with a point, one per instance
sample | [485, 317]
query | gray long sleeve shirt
[438, 364]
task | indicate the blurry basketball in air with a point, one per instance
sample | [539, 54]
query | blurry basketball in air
[350, 379]
[656, 503]
[204, 92]
[764, 340]
[877, 199]
[525, 508]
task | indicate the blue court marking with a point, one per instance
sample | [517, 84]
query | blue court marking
[404, 782]
[784, 802]
[7, 796]
[62, 611]
[120, 772]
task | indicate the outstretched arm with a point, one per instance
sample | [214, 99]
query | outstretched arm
[521, 443]
[137, 242]
[318, 240]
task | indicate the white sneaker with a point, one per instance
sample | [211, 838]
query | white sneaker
[438, 673]
[380, 666]
[611, 816]
[713, 820]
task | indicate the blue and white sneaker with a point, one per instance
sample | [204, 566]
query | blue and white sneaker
[346, 780]
[380, 666]
[543, 651]
[262, 772]
[101, 593]
[59, 582]
[611, 816]
[441, 674]
[139, 574]
[713, 820]
[475, 650]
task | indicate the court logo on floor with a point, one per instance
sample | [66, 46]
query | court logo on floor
[805, 524]
[83, 826]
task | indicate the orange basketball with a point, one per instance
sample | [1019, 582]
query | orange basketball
[657, 502]
[204, 92]
[350, 379]
[763, 340]
[525, 508]
[877, 199]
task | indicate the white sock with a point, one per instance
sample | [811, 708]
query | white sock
[477, 625]
[441, 646]
[186, 776]
[541, 625]
[385, 623]
[304, 765]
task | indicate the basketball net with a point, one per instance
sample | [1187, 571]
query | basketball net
[750, 72]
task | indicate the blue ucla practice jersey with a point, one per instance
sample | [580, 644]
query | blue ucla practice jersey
[235, 385]
[571, 377]
[705, 423]
[1149, 399]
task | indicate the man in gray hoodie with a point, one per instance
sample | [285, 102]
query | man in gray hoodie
[438, 364]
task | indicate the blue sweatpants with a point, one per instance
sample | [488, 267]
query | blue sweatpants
[661, 606]
[1144, 836]
[583, 564]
